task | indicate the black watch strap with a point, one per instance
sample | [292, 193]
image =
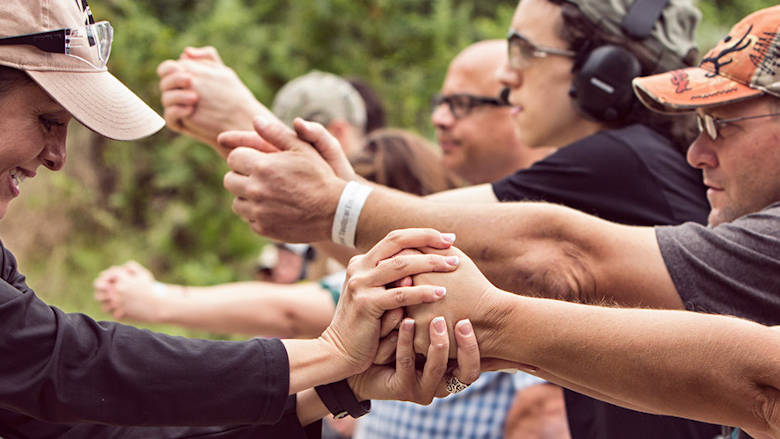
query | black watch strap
[341, 401]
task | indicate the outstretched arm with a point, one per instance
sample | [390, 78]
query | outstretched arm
[706, 367]
[529, 248]
[711, 368]
[130, 293]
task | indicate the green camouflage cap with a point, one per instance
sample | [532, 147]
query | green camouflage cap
[320, 97]
[672, 35]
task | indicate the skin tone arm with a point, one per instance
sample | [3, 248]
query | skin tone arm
[532, 248]
[302, 310]
[712, 368]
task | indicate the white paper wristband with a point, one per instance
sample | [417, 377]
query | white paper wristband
[345, 221]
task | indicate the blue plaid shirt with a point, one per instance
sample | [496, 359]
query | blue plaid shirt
[479, 412]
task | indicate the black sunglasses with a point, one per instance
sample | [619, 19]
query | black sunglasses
[461, 104]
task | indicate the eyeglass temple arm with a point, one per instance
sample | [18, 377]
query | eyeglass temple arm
[52, 41]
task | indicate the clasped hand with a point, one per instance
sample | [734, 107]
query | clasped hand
[363, 331]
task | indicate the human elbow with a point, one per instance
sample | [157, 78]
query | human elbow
[765, 416]
[557, 270]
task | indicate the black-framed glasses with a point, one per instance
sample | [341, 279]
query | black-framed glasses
[710, 124]
[461, 104]
[522, 50]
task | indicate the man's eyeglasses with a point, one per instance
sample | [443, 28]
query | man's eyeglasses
[90, 43]
[710, 125]
[521, 50]
[461, 104]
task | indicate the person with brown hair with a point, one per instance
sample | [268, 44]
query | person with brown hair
[563, 93]
[393, 158]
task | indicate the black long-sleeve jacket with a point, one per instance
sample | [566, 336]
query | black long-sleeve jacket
[66, 375]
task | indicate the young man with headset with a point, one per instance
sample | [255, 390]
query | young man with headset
[569, 81]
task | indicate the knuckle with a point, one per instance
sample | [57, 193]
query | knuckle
[353, 282]
[394, 237]
[254, 191]
[471, 347]
[399, 296]
[397, 264]
[438, 369]
[355, 262]
[406, 362]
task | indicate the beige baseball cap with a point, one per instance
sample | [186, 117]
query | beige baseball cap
[79, 81]
[320, 97]
[743, 65]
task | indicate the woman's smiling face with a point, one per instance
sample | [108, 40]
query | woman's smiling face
[33, 128]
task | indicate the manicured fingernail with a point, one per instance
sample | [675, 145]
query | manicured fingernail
[439, 325]
[407, 324]
[440, 291]
[448, 237]
[464, 327]
[452, 260]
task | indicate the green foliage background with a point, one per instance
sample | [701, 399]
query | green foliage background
[160, 201]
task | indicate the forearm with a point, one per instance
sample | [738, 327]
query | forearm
[524, 239]
[313, 362]
[711, 368]
[537, 249]
[256, 308]
[66, 368]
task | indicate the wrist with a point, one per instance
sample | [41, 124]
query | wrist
[491, 321]
[354, 384]
[352, 198]
[340, 364]
[170, 299]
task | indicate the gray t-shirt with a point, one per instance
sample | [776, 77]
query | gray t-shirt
[732, 269]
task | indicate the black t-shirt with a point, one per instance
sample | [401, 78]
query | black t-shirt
[66, 376]
[631, 176]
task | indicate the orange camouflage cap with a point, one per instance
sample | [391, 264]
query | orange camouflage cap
[743, 65]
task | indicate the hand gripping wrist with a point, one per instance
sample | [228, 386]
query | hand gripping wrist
[345, 221]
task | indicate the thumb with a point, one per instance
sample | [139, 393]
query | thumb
[230, 140]
[329, 148]
[279, 135]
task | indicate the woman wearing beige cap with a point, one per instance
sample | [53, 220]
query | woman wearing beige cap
[67, 375]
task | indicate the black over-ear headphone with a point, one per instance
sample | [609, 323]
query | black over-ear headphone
[602, 83]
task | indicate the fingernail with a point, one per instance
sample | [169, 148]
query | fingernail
[439, 325]
[464, 327]
[452, 260]
[407, 324]
[448, 237]
[440, 292]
